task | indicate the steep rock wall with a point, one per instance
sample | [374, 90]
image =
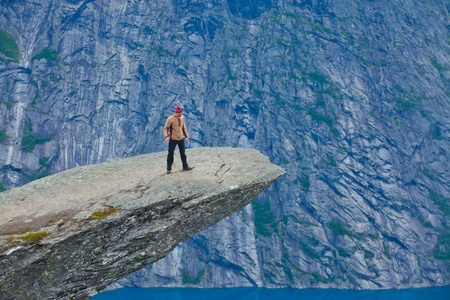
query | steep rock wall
[351, 97]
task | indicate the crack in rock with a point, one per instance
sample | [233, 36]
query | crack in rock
[222, 170]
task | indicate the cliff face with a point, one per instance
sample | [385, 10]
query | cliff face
[92, 225]
[350, 97]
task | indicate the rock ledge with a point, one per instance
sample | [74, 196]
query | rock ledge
[95, 224]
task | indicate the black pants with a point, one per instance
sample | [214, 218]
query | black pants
[172, 145]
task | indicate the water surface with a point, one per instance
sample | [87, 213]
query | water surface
[433, 293]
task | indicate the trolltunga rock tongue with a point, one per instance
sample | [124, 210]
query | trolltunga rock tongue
[71, 234]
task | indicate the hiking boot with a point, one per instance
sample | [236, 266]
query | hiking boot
[188, 168]
[169, 171]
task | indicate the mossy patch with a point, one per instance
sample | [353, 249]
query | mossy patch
[29, 142]
[404, 104]
[318, 117]
[2, 187]
[8, 105]
[28, 128]
[44, 174]
[163, 53]
[263, 217]
[101, 214]
[8, 45]
[308, 251]
[442, 250]
[31, 176]
[436, 65]
[428, 173]
[292, 15]
[6, 63]
[342, 253]
[192, 280]
[34, 237]
[3, 136]
[442, 203]
[313, 241]
[318, 77]
[368, 254]
[340, 229]
[205, 261]
[318, 278]
[48, 54]
[331, 161]
[17, 231]
[288, 273]
[44, 161]
[329, 91]
[269, 276]
[304, 183]
[436, 136]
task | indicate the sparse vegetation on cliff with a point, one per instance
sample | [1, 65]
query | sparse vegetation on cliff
[34, 237]
[192, 280]
[341, 229]
[101, 214]
[8, 45]
[3, 136]
[442, 250]
[48, 54]
[29, 142]
[263, 217]
[18, 231]
[440, 202]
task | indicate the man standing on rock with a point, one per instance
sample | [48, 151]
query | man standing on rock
[174, 132]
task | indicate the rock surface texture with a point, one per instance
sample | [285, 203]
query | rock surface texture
[71, 234]
[351, 97]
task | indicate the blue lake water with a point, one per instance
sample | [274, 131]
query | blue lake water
[433, 293]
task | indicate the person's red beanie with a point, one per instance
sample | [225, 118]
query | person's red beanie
[178, 109]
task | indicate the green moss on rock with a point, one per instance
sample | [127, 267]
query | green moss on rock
[29, 142]
[263, 216]
[304, 183]
[34, 237]
[440, 202]
[48, 54]
[318, 117]
[102, 214]
[340, 229]
[192, 280]
[318, 77]
[17, 231]
[404, 103]
[3, 136]
[8, 45]
[311, 253]
[442, 250]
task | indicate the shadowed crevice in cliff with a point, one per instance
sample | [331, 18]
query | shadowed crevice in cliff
[71, 234]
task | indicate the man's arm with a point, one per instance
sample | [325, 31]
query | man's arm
[184, 130]
[183, 127]
[166, 129]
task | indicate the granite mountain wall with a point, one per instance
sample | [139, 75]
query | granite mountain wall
[350, 97]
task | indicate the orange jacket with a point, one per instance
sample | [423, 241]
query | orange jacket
[175, 128]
